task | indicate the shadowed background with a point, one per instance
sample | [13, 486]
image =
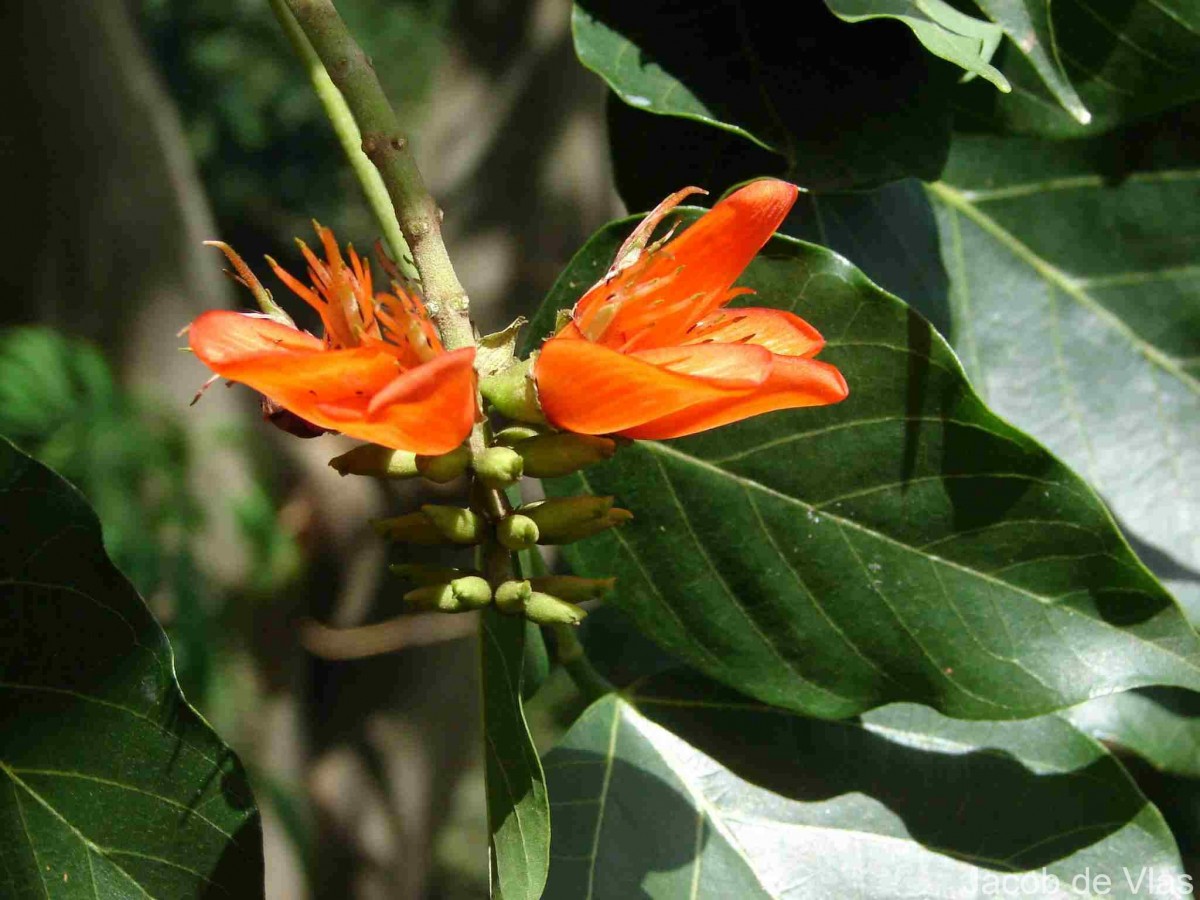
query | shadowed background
[136, 130]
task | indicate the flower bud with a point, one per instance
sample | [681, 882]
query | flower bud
[460, 595]
[512, 596]
[509, 436]
[611, 519]
[457, 525]
[445, 468]
[380, 462]
[425, 575]
[499, 467]
[517, 532]
[563, 520]
[555, 454]
[433, 525]
[572, 588]
[413, 528]
[513, 393]
[547, 610]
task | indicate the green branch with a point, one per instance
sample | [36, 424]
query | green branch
[348, 136]
[571, 654]
[386, 146]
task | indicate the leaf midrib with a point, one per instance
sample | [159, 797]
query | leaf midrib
[718, 816]
[959, 201]
[655, 446]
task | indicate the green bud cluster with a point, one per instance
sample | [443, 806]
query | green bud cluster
[433, 525]
[460, 595]
[564, 520]
[518, 598]
[529, 448]
[383, 462]
[548, 600]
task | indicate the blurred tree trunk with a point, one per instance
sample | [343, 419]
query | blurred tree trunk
[106, 217]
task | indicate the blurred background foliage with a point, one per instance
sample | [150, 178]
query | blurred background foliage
[137, 129]
[253, 125]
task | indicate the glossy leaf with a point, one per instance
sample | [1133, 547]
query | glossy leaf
[943, 30]
[1083, 67]
[842, 105]
[1029, 27]
[111, 786]
[1076, 308]
[903, 545]
[518, 815]
[680, 788]
[1160, 725]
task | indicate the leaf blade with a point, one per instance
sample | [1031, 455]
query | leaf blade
[1098, 270]
[109, 773]
[967, 42]
[904, 545]
[518, 810]
[842, 105]
[677, 787]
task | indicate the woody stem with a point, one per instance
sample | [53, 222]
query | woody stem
[387, 147]
[346, 129]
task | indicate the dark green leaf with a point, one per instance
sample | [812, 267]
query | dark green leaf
[518, 815]
[653, 156]
[843, 105]
[945, 32]
[110, 784]
[679, 788]
[1029, 27]
[904, 545]
[1076, 311]
[60, 402]
[1084, 66]
[1160, 725]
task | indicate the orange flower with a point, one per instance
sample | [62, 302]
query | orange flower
[379, 374]
[650, 353]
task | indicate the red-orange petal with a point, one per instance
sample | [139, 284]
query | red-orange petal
[429, 409]
[425, 410]
[590, 389]
[729, 365]
[794, 383]
[781, 332]
[698, 267]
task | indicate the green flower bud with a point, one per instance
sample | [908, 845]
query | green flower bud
[414, 528]
[513, 392]
[512, 596]
[517, 532]
[459, 595]
[424, 575]
[499, 467]
[547, 610]
[380, 462]
[509, 436]
[611, 519]
[572, 588]
[432, 526]
[555, 454]
[564, 520]
[457, 525]
[445, 468]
